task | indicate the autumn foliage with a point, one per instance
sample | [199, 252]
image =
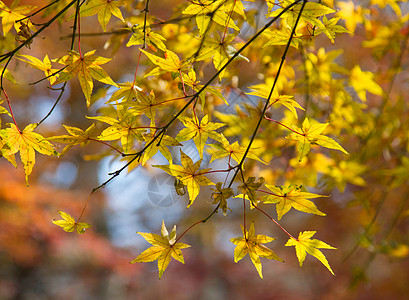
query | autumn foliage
[286, 117]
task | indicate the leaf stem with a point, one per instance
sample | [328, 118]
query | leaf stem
[198, 222]
[79, 28]
[228, 21]
[146, 10]
[11, 110]
[279, 123]
[278, 224]
[106, 144]
[270, 193]
[137, 66]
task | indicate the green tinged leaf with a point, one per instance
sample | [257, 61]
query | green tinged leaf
[310, 14]
[126, 128]
[151, 38]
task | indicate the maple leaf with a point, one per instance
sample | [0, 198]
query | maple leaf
[16, 12]
[234, 151]
[128, 91]
[352, 14]
[3, 110]
[170, 63]
[44, 66]
[26, 142]
[263, 91]
[220, 49]
[291, 197]
[165, 141]
[150, 37]
[68, 223]
[221, 195]
[137, 101]
[311, 134]
[3, 146]
[250, 187]
[199, 132]
[281, 37]
[85, 67]
[189, 174]
[189, 79]
[251, 244]
[210, 10]
[163, 249]
[304, 245]
[104, 9]
[362, 82]
[331, 28]
[126, 128]
[310, 14]
[144, 104]
[77, 137]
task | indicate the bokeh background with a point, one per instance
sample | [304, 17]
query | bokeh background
[367, 211]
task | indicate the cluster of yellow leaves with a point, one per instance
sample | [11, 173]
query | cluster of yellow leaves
[132, 103]
[104, 9]
[16, 12]
[209, 11]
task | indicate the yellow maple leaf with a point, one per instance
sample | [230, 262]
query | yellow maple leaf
[304, 244]
[163, 249]
[85, 67]
[68, 223]
[26, 142]
[251, 244]
[362, 82]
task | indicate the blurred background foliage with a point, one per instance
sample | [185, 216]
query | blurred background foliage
[367, 211]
